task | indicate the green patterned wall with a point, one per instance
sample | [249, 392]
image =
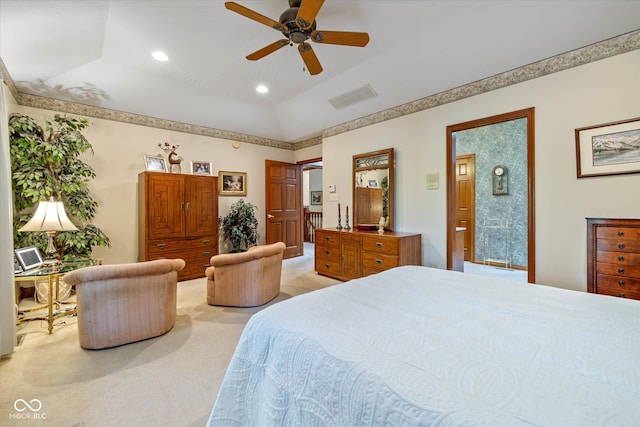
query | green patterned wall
[499, 144]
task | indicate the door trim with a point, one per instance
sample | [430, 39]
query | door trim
[529, 114]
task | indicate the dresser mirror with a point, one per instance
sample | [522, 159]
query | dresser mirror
[373, 178]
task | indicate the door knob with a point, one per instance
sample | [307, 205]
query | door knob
[270, 216]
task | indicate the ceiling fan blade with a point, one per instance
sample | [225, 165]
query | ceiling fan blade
[307, 13]
[254, 15]
[310, 59]
[345, 38]
[267, 50]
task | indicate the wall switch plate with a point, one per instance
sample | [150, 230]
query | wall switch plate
[332, 188]
[433, 181]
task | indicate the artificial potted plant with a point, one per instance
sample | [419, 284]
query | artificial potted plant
[45, 162]
[240, 226]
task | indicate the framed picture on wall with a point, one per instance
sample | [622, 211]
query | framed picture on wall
[608, 149]
[155, 164]
[316, 197]
[232, 183]
[200, 168]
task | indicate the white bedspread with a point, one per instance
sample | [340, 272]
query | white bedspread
[420, 346]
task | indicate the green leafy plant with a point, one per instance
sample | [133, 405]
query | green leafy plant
[45, 163]
[240, 226]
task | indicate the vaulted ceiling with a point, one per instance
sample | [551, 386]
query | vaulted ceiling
[98, 53]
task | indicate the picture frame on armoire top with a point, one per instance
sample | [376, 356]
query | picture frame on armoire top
[608, 149]
[155, 163]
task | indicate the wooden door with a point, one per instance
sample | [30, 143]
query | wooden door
[465, 201]
[201, 205]
[166, 205]
[283, 205]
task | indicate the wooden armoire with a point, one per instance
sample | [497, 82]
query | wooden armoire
[178, 218]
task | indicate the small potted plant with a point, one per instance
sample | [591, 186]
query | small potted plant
[240, 226]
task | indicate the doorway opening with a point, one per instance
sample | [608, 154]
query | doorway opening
[490, 191]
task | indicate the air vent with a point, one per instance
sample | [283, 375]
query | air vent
[353, 97]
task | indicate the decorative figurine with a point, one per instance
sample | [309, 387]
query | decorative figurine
[173, 158]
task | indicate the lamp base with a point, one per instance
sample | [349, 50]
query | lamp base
[51, 265]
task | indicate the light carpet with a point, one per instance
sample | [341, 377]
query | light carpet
[171, 380]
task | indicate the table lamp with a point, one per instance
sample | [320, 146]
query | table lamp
[50, 217]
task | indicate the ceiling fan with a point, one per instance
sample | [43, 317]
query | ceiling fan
[298, 25]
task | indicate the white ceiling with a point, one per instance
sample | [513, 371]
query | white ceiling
[99, 53]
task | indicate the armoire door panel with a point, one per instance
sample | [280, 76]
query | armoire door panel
[202, 207]
[166, 214]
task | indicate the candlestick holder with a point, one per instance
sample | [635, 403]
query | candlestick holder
[339, 226]
[346, 225]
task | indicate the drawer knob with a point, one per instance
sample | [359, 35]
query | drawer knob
[620, 258]
[161, 245]
[326, 252]
[206, 253]
[205, 242]
[621, 295]
[621, 282]
[378, 244]
[326, 266]
[379, 261]
[621, 246]
[326, 238]
[620, 233]
[621, 270]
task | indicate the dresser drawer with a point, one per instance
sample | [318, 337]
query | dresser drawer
[329, 253]
[617, 270]
[327, 267]
[622, 258]
[618, 283]
[619, 293]
[624, 233]
[325, 237]
[618, 245]
[380, 245]
[378, 262]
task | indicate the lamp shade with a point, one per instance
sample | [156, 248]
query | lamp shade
[49, 216]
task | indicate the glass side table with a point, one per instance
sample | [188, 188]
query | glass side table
[53, 278]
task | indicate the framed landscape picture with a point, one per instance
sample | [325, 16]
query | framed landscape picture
[608, 149]
[232, 183]
[316, 197]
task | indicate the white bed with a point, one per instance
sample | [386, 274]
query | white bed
[422, 346]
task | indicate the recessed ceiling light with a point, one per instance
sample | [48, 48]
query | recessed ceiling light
[262, 89]
[160, 56]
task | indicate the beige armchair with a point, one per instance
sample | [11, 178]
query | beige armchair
[245, 279]
[123, 303]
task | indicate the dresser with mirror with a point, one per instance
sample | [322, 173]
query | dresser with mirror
[371, 245]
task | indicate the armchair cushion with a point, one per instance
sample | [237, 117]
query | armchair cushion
[123, 303]
[245, 279]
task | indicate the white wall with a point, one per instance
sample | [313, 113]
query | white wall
[119, 156]
[596, 93]
[7, 290]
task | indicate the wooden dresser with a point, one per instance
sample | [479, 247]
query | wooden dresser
[178, 218]
[346, 255]
[613, 257]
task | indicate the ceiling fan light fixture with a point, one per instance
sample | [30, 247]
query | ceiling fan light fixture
[159, 55]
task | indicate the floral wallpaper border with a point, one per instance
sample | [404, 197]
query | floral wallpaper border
[595, 52]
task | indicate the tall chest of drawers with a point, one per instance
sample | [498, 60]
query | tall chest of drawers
[613, 257]
[346, 255]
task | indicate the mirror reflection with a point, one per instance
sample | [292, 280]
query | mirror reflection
[373, 188]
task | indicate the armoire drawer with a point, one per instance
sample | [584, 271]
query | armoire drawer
[618, 270]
